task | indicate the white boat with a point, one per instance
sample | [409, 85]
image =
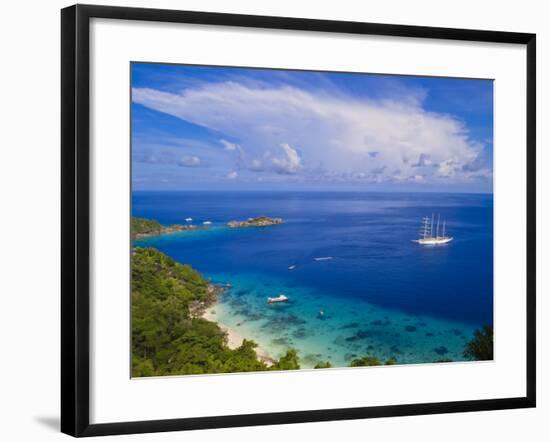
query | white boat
[207, 223]
[427, 237]
[292, 267]
[323, 258]
[280, 298]
[188, 219]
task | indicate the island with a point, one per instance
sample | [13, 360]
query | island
[260, 221]
[142, 228]
[170, 336]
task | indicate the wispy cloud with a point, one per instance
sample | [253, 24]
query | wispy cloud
[287, 130]
[167, 157]
[229, 146]
[190, 161]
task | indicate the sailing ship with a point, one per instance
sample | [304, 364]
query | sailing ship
[427, 232]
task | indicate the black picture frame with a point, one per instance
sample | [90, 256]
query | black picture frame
[75, 212]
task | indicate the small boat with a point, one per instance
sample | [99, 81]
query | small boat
[427, 237]
[188, 219]
[323, 258]
[207, 223]
[280, 298]
[292, 267]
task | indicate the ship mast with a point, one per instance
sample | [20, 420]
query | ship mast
[424, 231]
[427, 231]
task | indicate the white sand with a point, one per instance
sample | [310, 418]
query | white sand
[235, 339]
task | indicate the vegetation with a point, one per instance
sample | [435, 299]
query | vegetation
[167, 339]
[480, 348]
[371, 361]
[366, 361]
[326, 364]
[142, 226]
[289, 361]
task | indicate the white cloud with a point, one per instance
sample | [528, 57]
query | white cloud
[355, 139]
[290, 162]
[232, 175]
[227, 145]
[447, 168]
[190, 161]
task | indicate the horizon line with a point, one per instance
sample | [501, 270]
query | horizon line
[314, 190]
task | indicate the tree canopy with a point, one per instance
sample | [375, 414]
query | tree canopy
[144, 226]
[480, 348]
[166, 339]
[366, 361]
[325, 364]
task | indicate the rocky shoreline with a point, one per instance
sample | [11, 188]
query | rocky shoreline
[143, 228]
[198, 309]
[169, 229]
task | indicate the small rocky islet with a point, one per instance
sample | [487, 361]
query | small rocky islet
[260, 221]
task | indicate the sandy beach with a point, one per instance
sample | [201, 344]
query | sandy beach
[234, 338]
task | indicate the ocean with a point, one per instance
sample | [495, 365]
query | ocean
[379, 294]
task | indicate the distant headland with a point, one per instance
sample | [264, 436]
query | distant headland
[260, 221]
[142, 228]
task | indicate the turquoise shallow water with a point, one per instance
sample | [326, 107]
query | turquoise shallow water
[346, 330]
[381, 294]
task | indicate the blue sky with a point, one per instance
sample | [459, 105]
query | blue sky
[210, 128]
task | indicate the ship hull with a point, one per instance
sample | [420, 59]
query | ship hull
[433, 241]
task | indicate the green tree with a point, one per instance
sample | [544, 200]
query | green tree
[366, 361]
[290, 361]
[480, 348]
[325, 364]
[166, 339]
[145, 226]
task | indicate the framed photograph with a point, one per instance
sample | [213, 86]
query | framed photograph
[273, 220]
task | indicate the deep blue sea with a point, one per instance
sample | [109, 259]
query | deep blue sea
[380, 293]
